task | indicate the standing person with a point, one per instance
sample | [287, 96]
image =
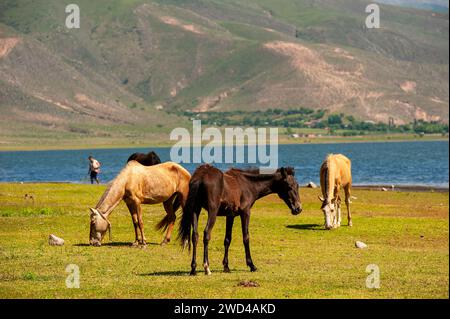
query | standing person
[94, 169]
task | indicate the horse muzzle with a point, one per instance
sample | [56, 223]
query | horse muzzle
[297, 210]
[95, 242]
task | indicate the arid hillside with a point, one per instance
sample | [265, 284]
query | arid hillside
[133, 63]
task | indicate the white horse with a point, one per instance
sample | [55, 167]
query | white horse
[335, 173]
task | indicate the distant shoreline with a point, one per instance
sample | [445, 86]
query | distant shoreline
[282, 141]
[403, 188]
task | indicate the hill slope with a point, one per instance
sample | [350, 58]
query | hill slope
[433, 5]
[133, 60]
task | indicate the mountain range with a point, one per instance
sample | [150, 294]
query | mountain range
[133, 65]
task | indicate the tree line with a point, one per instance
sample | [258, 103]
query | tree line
[335, 123]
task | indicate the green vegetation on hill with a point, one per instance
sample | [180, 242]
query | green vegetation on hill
[314, 119]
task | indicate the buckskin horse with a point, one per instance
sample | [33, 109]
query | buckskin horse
[335, 173]
[231, 194]
[149, 159]
[166, 183]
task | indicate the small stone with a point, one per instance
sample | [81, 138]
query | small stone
[55, 241]
[360, 244]
[311, 185]
[384, 189]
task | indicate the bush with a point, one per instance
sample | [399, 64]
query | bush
[334, 119]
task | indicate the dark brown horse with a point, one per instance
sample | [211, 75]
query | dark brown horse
[231, 194]
[145, 159]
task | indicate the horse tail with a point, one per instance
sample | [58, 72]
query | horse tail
[187, 218]
[176, 203]
[164, 223]
[168, 219]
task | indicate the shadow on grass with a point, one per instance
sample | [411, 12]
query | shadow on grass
[127, 244]
[166, 273]
[117, 244]
[306, 227]
[187, 273]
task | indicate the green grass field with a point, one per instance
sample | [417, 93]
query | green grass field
[36, 143]
[407, 237]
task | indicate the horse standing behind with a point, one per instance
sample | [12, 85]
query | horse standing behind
[231, 194]
[136, 184]
[145, 159]
[335, 173]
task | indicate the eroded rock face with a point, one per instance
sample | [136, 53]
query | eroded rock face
[6, 45]
[55, 241]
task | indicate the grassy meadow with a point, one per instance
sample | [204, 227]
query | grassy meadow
[37, 142]
[406, 233]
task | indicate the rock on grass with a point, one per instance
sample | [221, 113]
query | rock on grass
[360, 244]
[311, 185]
[55, 241]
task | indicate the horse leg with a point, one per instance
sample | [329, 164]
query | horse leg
[336, 207]
[134, 217]
[245, 221]
[338, 212]
[170, 210]
[141, 225]
[212, 213]
[227, 241]
[194, 241]
[347, 203]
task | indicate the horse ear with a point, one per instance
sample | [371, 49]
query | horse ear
[290, 171]
[321, 198]
[93, 210]
[283, 172]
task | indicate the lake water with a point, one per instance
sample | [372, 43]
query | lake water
[399, 163]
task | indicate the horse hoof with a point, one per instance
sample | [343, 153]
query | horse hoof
[165, 242]
[350, 224]
[193, 273]
[253, 269]
[227, 270]
[135, 244]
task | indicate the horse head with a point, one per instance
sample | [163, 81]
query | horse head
[329, 211]
[287, 189]
[99, 224]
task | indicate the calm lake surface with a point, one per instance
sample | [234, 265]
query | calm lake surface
[398, 163]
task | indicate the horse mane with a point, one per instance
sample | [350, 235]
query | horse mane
[327, 159]
[326, 166]
[326, 162]
[105, 193]
[254, 173]
[251, 170]
[119, 179]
